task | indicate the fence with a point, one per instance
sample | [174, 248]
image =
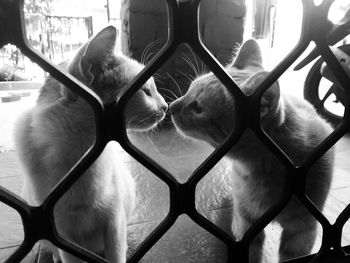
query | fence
[38, 222]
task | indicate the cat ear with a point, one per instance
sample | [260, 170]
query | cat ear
[248, 55]
[94, 54]
[270, 100]
[100, 47]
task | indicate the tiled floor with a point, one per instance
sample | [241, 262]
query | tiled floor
[185, 241]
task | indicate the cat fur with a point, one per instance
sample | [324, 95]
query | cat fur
[58, 131]
[207, 112]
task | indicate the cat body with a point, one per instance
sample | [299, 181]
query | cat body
[59, 130]
[207, 112]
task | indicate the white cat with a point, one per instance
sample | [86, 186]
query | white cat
[58, 131]
[208, 112]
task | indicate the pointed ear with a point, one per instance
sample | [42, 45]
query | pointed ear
[270, 100]
[93, 54]
[248, 55]
[100, 46]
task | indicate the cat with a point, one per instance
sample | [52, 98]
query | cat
[56, 133]
[207, 112]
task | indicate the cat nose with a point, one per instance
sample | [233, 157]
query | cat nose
[165, 107]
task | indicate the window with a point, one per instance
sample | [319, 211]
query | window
[183, 29]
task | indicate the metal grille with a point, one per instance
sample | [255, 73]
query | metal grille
[38, 222]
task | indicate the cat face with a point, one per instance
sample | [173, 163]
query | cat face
[208, 110]
[106, 73]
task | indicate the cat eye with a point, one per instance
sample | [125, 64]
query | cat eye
[146, 91]
[194, 106]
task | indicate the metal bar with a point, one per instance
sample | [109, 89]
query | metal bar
[183, 17]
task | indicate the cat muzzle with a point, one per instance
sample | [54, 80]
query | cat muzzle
[174, 107]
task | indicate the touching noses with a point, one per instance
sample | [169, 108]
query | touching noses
[165, 107]
[174, 107]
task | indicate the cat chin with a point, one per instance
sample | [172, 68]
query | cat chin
[143, 128]
[185, 135]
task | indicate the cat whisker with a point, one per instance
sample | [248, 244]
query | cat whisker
[203, 68]
[136, 117]
[142, 118]
[190, 64]
[170, 99]
[145, 54]
[176, 84]
[130, 121]
[145, 120]
[171, 92]
[139, 122]
[149, 56]
[187, 75]
[196, 61]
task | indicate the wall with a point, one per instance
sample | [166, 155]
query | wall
[145, 22]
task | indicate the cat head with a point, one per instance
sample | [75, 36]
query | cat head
[207, 110]
[106, 72]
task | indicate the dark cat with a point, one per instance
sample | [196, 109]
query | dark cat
[207, 112]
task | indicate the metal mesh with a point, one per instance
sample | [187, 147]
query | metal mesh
[38, 222]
